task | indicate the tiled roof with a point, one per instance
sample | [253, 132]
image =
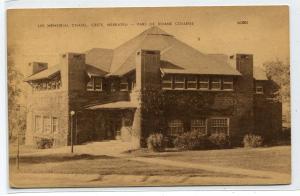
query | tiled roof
[100, 58]
[172, 50]
[259, 74]
[47, 73]
[93, 71]
[176, 57]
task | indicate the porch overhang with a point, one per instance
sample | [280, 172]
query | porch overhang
[114, 105]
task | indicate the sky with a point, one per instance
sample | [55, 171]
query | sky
[214, 30]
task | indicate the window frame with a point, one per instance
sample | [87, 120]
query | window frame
[214, 82]
[40, 124]
[122, 82]
[198, 126]
[220, 118]
[92, 87]
[164, 81]
[188, 81]
[101, 84]
[179, 82]
[226, 82]
[259, 92]
[200, 81]
[52, 124]
[49, 126]
[173, 124]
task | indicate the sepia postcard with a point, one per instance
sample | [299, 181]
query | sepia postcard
[160, 96]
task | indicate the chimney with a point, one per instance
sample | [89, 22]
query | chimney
[148, 69]
[244, 64]
[38, 67]
[73, 71]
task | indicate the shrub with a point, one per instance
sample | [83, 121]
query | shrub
[252, 141]
[43, 143]
[156, 142]
[219, 140]
[192, 140]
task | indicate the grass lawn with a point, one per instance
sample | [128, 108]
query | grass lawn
[276, 159]
[102, 165]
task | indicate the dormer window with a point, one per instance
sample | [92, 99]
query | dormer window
[216, 83]
[95, 84]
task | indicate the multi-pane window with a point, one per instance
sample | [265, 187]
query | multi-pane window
[203, 83]
[90, 84]
[46, 124]
[192, 82]
[113, 86]
[198, 125]
[179, 82]
[98, 84]
[94, 84]
[167, 82]
[54, 124]
[175, 127]
[42, 85]
[124, 84]
[227, 83]
[259, 89]
[133, 84]
[216, 83]
[219, 125]
[38, 124]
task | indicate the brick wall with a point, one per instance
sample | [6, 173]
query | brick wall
[48, 104]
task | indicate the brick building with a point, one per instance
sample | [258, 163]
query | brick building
[105, 88]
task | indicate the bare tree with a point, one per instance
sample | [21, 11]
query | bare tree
[16, 112]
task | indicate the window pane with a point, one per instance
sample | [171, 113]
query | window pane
[54, 124]
[203, 85]
[179, 79]
[179, 85]
[227, 79]
[198, 125]
[192, 79]
[192, 85]
[38, 123]
[191, 82]
[259, 89]
[133, 84]
[98, 83]
[203, 79]
[167, 85]
[90, 84]
[219, 125]
[227, 86]
[175, 127]
[46, 124]
[215, 79]
[167, 78]
[215, 85]
[124, 86]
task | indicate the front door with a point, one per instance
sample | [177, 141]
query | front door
[113, 128]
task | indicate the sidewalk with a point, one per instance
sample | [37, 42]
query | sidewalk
[271, 177]
[25, 180]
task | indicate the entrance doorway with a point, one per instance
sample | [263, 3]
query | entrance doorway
[113, 128]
